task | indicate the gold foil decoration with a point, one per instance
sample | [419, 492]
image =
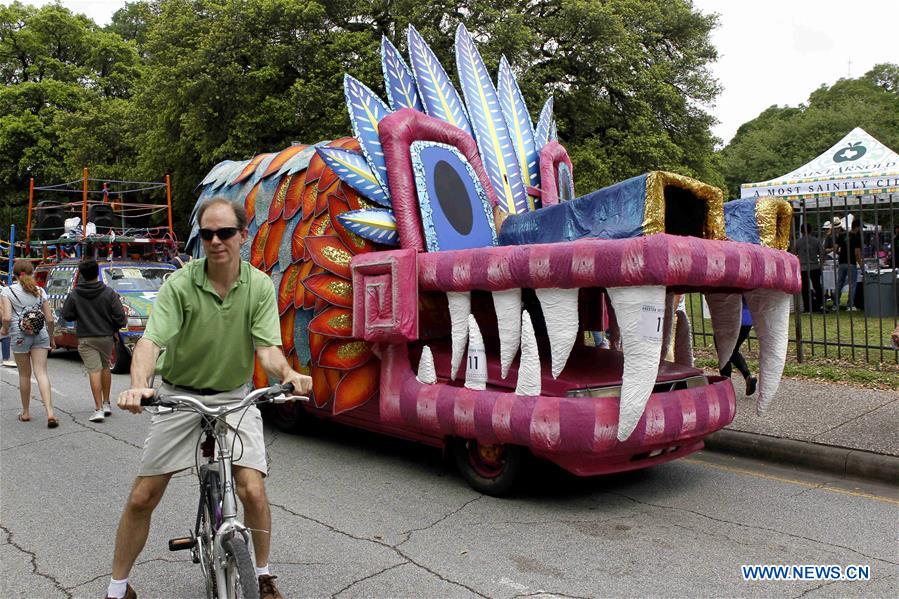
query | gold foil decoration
[322, 226]
[341, 321]
[654, 208]
[773, 216]
[365, 204]
[358, 242]
[340, 288]
[337, 255]
[353, 349]
[282, 190]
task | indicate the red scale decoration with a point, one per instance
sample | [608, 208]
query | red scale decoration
[344, 370]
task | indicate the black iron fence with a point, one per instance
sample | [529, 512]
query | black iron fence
[844, 312]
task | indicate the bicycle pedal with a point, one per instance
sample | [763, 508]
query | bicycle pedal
[182, 543]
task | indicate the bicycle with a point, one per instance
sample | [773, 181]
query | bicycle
[219, 541]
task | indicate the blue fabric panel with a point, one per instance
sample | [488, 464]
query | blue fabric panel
[739, 221]
[614, 212]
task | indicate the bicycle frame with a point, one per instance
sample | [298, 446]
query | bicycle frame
[215, 424]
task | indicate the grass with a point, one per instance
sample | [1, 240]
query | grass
[876, 368]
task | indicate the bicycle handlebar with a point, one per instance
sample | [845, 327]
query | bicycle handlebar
[273, 394]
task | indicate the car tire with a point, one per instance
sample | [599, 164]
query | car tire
[120, 361]
[490, 469]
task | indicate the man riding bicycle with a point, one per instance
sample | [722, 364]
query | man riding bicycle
[211, 317]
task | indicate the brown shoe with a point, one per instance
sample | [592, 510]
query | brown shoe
[267, 588]
[129, 594]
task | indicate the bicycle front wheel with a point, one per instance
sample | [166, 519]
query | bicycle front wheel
[239, 572]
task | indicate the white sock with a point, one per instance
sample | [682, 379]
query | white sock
[117, 588]
[263, 571]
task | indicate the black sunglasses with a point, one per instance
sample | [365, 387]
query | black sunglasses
[223, 234]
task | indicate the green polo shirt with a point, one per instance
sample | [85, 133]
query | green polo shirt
[210, 342]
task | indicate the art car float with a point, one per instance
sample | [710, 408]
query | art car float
[435, 275]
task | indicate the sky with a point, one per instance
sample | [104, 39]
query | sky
[771, 52]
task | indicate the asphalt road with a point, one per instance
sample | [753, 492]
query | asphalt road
[357, 515]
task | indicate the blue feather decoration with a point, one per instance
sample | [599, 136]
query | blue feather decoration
[438, 95]
[285, 252]
[366, 111]
[221, 171]
[494, 142]
[301, 335]
[518, 120]
[398, 80]
[353, 170]
[264, 197]
[553, 132]
[375, 224]
[541, 132]
[297, 162]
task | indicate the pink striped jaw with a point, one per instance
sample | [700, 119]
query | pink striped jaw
[535, 403]
[577, 433]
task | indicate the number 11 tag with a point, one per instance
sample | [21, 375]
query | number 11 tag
[652, 319]
[476, 372]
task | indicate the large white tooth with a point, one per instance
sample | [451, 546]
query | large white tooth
[726, 310]
[459, 309]
[770, 311]
[529, 364]
[640, 312]
[476, 369]
[667, 337]
[614, 331]
[560, 313]
[426, 372]
[683, 336]
[508, 320]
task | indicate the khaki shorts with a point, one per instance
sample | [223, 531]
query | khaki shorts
[171, 444]
[95, 352]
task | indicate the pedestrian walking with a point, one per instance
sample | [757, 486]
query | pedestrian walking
[27, 318]
[810, 251]
[212, 316]
[849, 248]
[737, 359]
[98, 315]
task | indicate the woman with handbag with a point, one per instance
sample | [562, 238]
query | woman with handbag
[26, 316]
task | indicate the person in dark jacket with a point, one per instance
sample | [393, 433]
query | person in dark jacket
[98, 315]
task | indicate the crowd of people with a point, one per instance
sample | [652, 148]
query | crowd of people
[846, 252]
[207, 355]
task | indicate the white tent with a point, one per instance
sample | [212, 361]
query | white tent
[857, 165]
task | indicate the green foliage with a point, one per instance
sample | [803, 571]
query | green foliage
[784, 138]
[175, 86]
[57, 70]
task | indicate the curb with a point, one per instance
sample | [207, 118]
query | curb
[836, 460]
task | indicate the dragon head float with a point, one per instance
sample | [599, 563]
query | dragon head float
[439, 262]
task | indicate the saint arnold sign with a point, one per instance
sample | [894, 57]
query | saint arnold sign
[859, 186]
[857, 164]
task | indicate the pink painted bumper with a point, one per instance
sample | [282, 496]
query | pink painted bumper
[578, 433]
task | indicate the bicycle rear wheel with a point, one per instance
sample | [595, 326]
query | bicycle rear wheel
[239, 571]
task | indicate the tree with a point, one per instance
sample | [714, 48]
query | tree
[57, 68]
[231, 79]
[781, 139]
[175, 86]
